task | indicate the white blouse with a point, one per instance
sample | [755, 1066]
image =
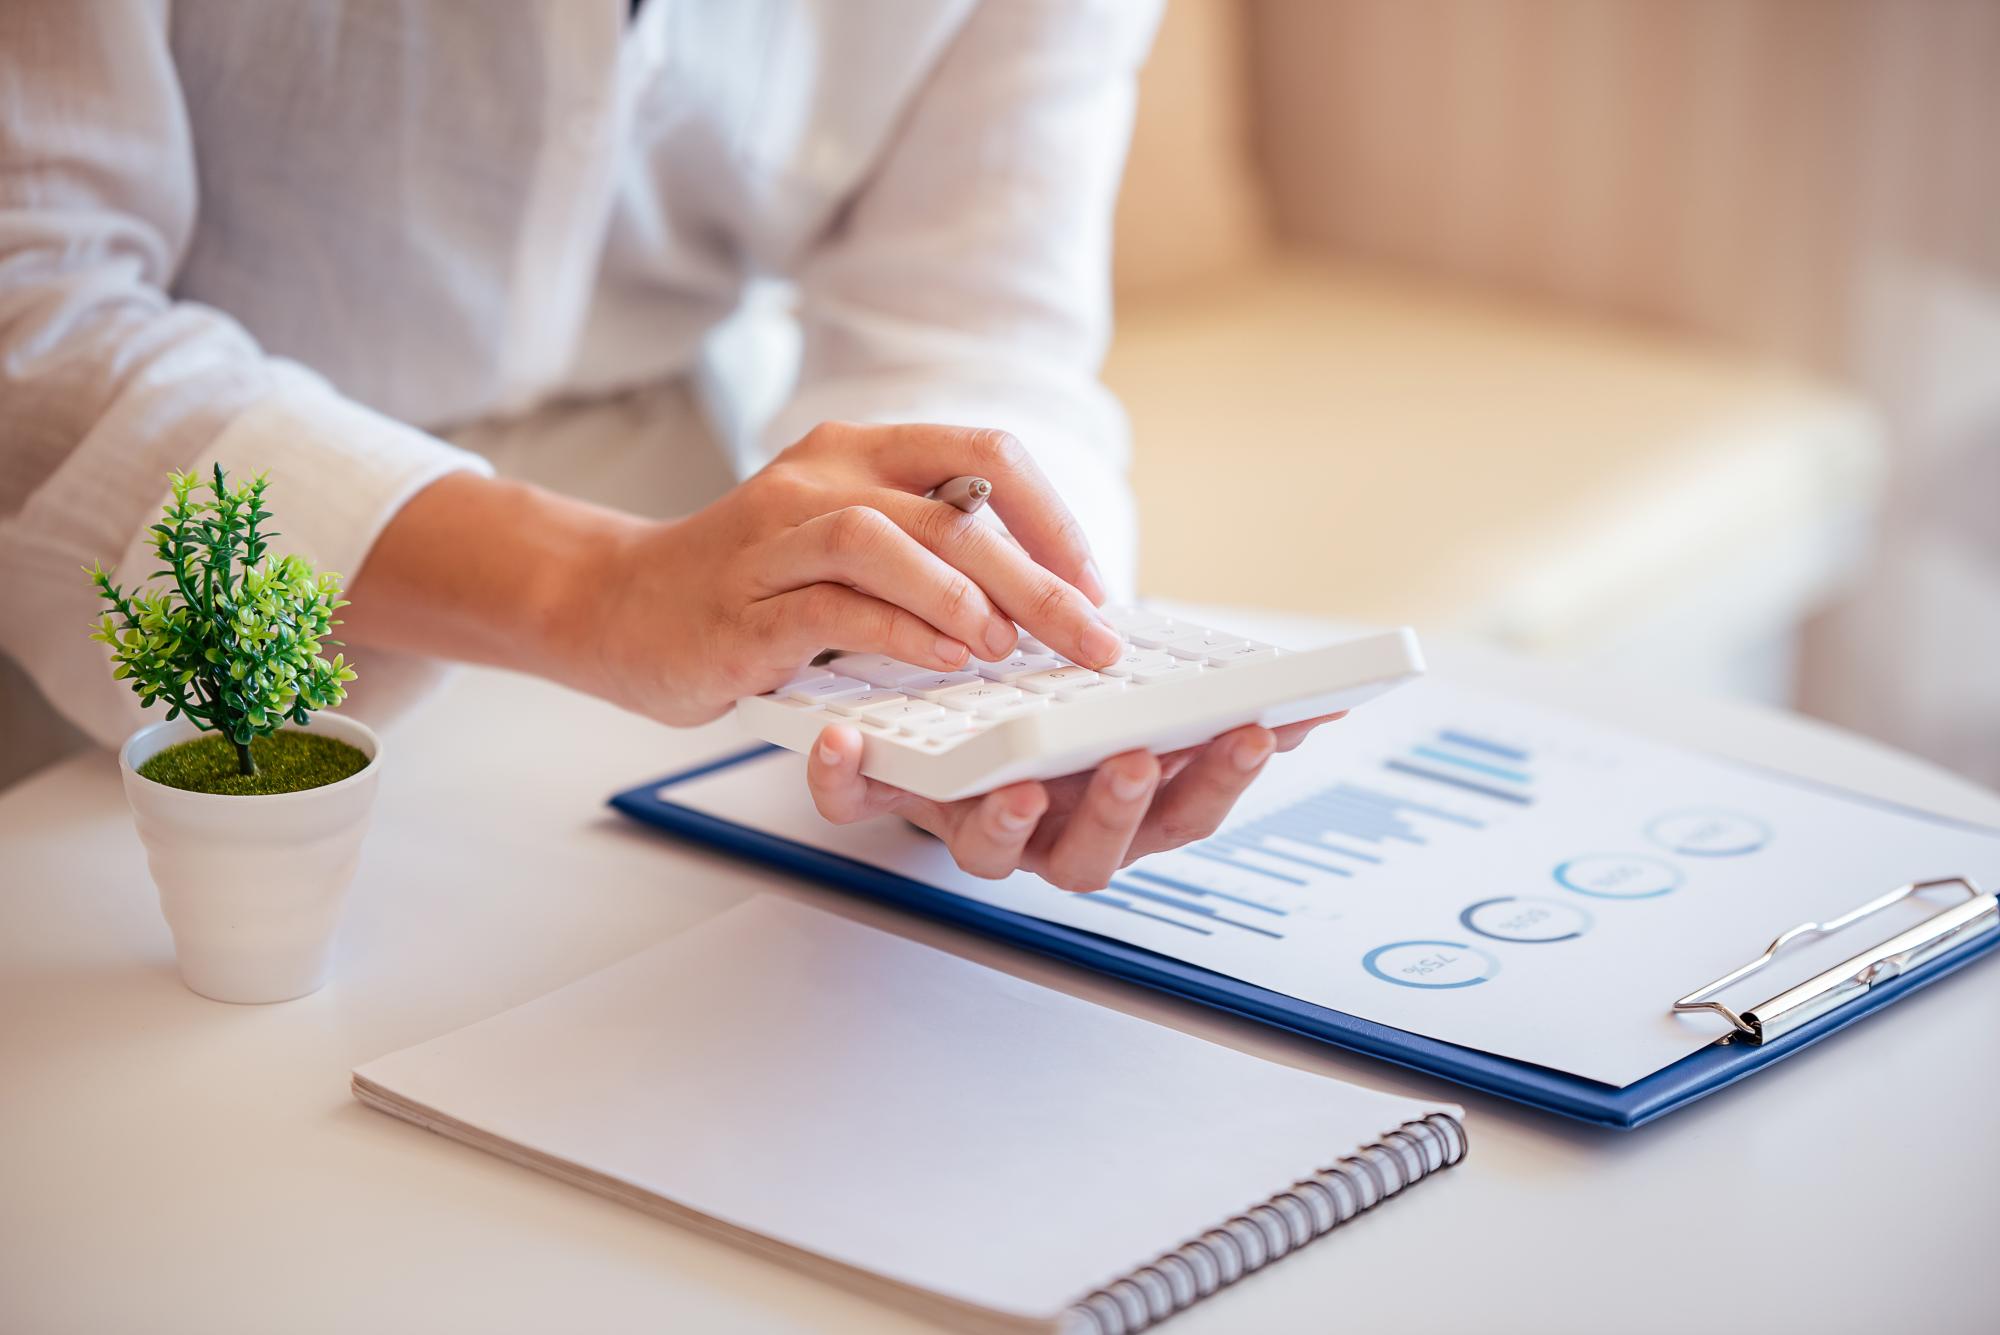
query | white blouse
[294, 236]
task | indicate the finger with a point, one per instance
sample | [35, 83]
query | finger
[919, 457]
[864, 549]
[1194, 804]
[1029, 593]
[839, 790]
[1291, 734]
[993, 835]
[792, 627]
[1093, 841]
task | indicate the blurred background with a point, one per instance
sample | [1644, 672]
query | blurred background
[1656, 336]
[1663, 337]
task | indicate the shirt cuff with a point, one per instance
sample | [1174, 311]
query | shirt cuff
[338, 473]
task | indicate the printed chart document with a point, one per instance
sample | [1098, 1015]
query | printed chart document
[1490, 873]
[917, 1125]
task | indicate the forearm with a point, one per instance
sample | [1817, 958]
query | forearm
[831, 546]
[485, 570]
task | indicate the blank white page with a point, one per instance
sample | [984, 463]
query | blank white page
[893, 1107]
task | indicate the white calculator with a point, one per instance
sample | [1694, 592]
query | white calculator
[1035, 715]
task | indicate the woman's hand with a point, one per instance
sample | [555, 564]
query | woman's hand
[833, 546]
[1073, 832]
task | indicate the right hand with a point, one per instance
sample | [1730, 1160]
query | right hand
[834, 546]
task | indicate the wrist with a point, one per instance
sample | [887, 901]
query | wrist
[581, 596]
[486, 570]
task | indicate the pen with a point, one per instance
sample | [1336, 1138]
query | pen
[967, 493]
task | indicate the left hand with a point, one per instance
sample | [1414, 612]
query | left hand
[1073, 832]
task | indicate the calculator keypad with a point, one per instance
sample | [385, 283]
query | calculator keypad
[926, 710]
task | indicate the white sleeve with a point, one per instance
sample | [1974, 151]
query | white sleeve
[106, 382]
[969, 281]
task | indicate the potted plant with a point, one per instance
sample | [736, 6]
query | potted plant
[251, 805]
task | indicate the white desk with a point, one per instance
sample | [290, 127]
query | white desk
[169, 1163]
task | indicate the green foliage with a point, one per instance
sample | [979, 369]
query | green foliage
[233, 641]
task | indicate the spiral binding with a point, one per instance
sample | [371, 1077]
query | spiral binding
[1263, 1233]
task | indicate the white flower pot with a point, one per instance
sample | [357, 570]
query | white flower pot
[252, 885]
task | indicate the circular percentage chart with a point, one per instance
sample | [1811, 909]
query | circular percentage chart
[1526, 919]
[1430, 964]
[1618, 876]
[1709, 832]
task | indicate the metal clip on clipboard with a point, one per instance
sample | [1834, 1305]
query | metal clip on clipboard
[1978, 912]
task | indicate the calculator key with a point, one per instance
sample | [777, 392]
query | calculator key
[1134, 659]
[1129, 619]
[978, 695]
[824, 689]
[1174, 669]
[1090, 690]
[803, 706]
[1156, 637]
[1016, 666]
[856, 705]
[945, 725]
[901, 711]
[1054, 680]
[1201, 643]
[937, 685]
[1131, 614]
[878, 669]
[1027, 704]
[809, 673]
[1248, 652]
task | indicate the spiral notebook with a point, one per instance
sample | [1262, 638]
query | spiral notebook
[934, 1133]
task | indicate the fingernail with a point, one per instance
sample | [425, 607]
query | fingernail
[1093, 585]
[1100, 644]
[1000, 640]
[951, 651]
[828, 754]
[1012, 821]
[1129, 787]
[1252, 752]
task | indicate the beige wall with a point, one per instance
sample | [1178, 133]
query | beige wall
[1192, 207]
[1817, 180]
[1734, 166]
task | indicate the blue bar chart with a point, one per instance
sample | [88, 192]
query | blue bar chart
[1252, 876]
[1469, 763]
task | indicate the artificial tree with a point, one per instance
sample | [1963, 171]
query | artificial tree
[233, 641]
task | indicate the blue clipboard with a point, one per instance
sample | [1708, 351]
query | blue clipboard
[1676, 1086]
